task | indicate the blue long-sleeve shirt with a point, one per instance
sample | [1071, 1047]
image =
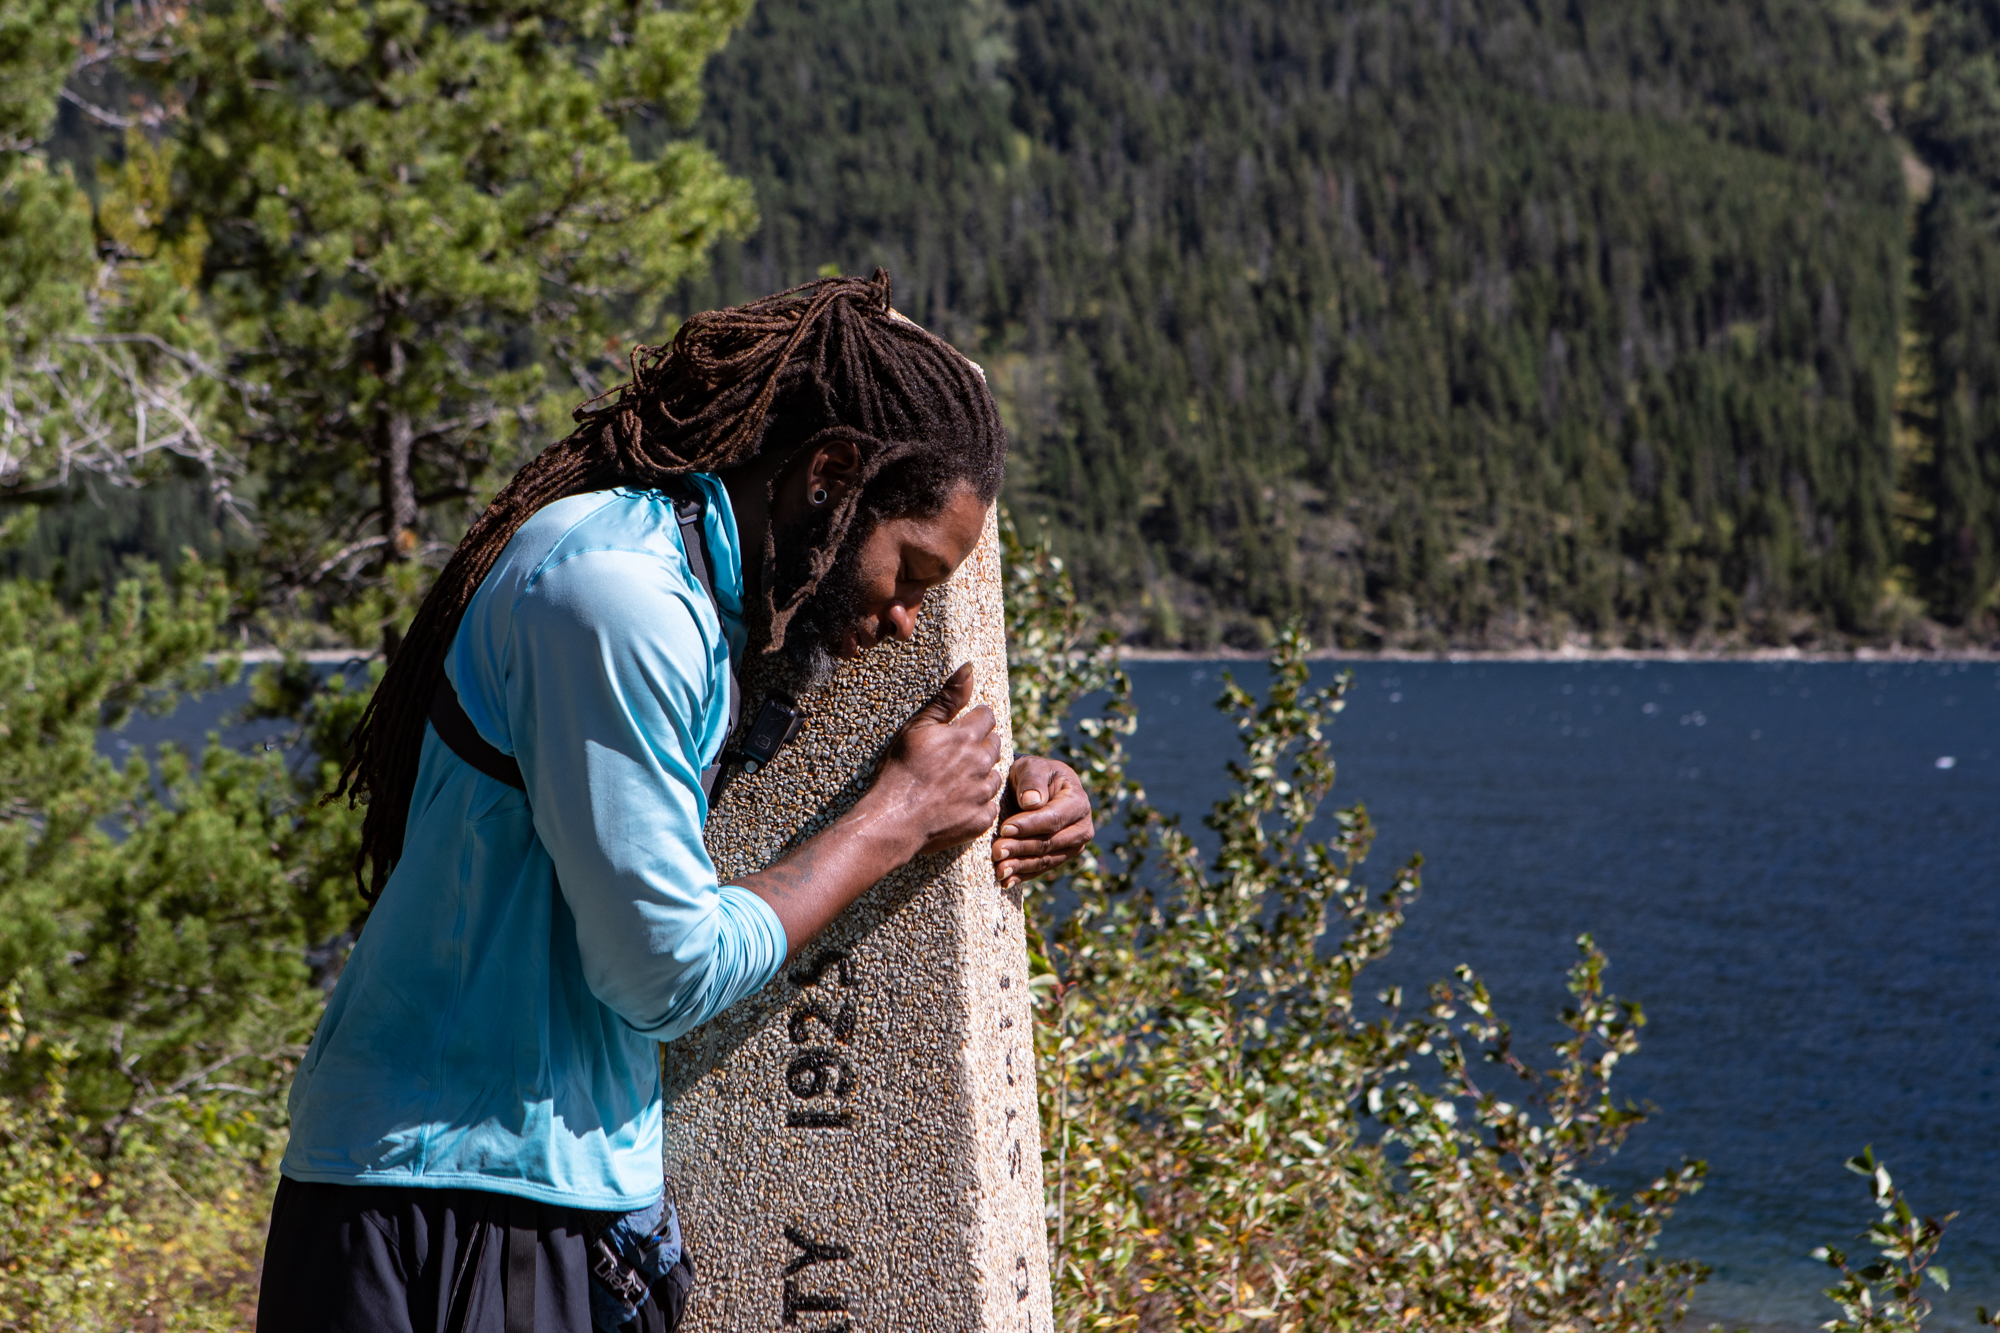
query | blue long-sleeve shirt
[497, 1025]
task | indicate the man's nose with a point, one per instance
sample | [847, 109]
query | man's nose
[903, 620]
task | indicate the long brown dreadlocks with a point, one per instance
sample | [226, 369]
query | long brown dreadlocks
[778, 376]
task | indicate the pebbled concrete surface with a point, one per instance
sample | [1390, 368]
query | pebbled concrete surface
[856, 1148]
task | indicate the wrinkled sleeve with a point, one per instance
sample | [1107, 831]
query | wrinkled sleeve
[609, 706]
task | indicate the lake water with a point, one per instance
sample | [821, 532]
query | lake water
[1796, 868]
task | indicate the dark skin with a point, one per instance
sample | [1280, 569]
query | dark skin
[940, 785]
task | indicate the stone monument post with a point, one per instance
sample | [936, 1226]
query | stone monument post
[856, 1148]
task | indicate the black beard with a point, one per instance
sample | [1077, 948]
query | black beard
[833, 610]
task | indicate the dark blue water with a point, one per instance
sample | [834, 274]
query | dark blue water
[1806, 902]
[1795, 868]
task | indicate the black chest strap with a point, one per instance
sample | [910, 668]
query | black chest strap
[688, 511]
[455, 729]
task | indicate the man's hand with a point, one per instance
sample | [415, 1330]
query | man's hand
[1045, 820]
[942, 770]
[938, 787]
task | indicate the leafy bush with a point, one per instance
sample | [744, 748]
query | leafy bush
[157, 1235]
[1229, 1139]
[1886, 1295]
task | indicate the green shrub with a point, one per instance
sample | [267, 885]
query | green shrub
[1229, 1140]
[1886, 1295]
[155, 1235]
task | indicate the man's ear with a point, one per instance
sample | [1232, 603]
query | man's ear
[835, 468]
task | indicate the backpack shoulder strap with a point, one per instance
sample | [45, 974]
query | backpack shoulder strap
[689, 510]
[455, 729]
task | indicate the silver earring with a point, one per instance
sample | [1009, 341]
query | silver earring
[819, 496]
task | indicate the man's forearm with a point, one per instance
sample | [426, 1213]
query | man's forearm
[809, 886]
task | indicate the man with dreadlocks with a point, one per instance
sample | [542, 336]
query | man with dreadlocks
[476, 1127]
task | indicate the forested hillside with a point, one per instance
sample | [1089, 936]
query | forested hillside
[1951, 104]
[1475, 323]
[1472, 322]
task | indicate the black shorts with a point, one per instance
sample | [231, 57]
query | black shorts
[392, 1259]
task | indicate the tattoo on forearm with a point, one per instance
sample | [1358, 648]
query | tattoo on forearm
[787, 875]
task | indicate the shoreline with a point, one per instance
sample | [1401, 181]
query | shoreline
[317, 656]
[1907, 656]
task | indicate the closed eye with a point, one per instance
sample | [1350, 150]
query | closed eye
[939, 571]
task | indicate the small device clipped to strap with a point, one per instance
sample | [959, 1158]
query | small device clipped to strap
[778, 721]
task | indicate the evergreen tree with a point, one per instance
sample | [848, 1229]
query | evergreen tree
[157, 922]
[428, 231]
[106, 367]
[1954, 119]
